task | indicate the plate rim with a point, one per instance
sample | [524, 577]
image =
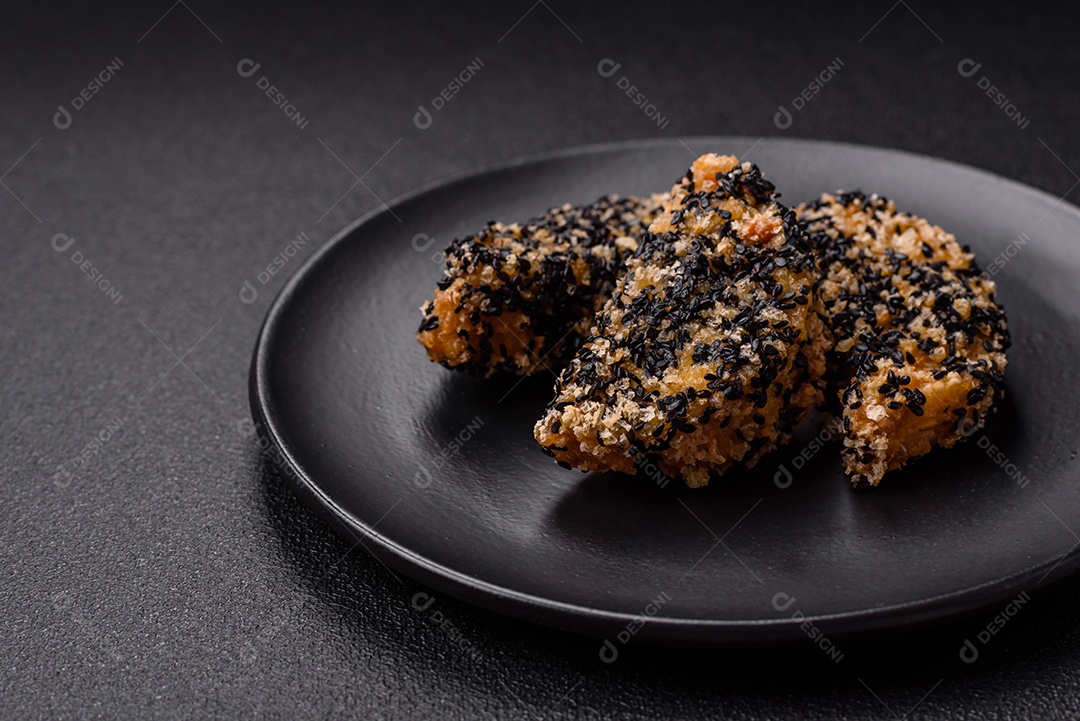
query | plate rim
[585, 619]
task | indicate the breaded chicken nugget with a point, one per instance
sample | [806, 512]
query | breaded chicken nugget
[710, 350]
[919, 339]
[521, 297]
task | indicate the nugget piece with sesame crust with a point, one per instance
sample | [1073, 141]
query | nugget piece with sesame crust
[710, 350]
[919, 339]
[519, 298]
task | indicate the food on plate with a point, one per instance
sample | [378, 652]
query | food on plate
[521, 298]
[919, 340]
[696, 329]
[711, 348]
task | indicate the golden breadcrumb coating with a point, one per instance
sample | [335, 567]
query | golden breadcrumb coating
[710, 350]
[520, 298]
[919, 339]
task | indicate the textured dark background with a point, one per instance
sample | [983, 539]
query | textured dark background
[167, 572]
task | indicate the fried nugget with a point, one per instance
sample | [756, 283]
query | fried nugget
[710, 350]
[519, 298]
[919, 339]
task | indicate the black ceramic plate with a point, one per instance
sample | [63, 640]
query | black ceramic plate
[439, 475]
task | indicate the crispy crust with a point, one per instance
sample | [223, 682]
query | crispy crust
[711, 349]
[920, 341]
[518, 298]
